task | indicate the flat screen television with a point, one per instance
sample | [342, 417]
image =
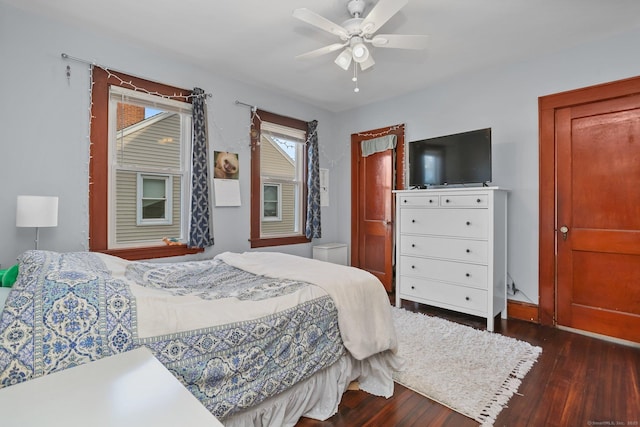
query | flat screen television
[458, 159]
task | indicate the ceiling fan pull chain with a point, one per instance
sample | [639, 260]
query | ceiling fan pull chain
[355, 77]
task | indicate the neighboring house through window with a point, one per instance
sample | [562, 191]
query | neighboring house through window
[140, 168]
[149, 141]
[278, 180]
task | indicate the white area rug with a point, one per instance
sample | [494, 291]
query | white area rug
[472, 372]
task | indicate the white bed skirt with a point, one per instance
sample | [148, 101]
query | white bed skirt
[319, 396]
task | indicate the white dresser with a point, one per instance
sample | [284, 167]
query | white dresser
[451, 247]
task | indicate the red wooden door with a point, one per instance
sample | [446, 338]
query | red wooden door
[375, 238]
[598, 217]
[372, 206]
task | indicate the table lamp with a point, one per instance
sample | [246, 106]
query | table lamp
[37, 211]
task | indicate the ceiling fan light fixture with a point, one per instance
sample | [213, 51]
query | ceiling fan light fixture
[344, 59]
[360, 51]
[367, 64]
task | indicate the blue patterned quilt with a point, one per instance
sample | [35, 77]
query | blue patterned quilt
[67, 309]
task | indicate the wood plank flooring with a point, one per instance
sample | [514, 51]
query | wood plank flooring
[577, 381]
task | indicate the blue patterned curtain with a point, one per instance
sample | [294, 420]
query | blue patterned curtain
[313, 228]
[200, 230]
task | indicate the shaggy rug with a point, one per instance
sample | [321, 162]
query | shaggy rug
[472, 372]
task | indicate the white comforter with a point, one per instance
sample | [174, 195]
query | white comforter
[362, 302]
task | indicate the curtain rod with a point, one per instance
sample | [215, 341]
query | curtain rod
[253, 107]
[84, 61]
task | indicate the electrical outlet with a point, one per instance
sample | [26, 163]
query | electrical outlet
[511, 286]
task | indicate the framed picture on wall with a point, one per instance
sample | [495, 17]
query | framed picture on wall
[226, 165]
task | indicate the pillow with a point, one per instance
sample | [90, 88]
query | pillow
[9, 276]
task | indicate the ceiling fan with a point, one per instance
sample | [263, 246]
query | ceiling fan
[358, 31]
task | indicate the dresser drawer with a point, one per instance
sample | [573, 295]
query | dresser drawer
[471, 223]
[442, 294]
[466, 201]
[473, 275]
[442, 247]
[422, 201]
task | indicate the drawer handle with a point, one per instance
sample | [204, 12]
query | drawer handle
[478, 200]
[468, 222]
[413, 220]
[468, 251]
[446, 201]
[413, 287]
[404, 201]
[468, 275]
[413, 266]
[430, 201]
[467, 298]
[413, 245]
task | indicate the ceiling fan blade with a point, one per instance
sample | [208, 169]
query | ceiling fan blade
[321, 22]
[400, 41]
[368, 63]
[380, 14]
[322, 51]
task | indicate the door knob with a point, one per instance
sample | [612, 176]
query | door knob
[564, 230]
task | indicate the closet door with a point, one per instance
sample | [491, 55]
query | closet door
[598, 217]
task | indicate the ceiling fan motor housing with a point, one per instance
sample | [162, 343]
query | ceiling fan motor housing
[356, 8]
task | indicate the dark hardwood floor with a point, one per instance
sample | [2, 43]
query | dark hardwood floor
[577, 381]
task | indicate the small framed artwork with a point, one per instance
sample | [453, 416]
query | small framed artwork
[226, 165]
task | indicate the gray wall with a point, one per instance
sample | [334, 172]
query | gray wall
[44, 119]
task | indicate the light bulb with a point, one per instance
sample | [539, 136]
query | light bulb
[356, 89]
[360, 52]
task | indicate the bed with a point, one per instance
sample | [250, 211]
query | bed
[260, 338]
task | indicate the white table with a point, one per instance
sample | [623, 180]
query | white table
[129, 389]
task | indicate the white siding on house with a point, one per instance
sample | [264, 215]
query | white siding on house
[276, 166]
[155, 145]
[150, 145]
[126, 229]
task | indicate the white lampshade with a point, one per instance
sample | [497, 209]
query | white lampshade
[344, 59]
[37, 211]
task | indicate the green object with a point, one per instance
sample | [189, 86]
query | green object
[9, 276]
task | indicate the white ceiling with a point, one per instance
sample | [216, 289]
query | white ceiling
[256, 41]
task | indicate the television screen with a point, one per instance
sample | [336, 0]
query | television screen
[462, 158]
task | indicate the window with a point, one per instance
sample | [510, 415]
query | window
[271, 202]
[139, 167]
[278, 180]
[149, 140]
[154, 204]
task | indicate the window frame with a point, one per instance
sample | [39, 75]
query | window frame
[256, 240]
[99, 165]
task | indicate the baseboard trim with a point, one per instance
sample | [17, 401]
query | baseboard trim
[522, 311]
